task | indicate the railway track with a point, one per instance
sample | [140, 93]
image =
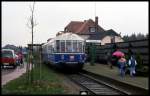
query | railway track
[124, 87]
[93, 86]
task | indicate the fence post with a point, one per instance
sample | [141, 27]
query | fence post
[92, 54]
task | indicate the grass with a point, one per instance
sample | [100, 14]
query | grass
[49, 83]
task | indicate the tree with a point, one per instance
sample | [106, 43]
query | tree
[147, 36]
[125, 38]
[31, 25]
[32, 22]
[140, 36]
[132, 37]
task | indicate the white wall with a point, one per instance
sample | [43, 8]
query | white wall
[118, 39]
[107, 39]
[85, 37]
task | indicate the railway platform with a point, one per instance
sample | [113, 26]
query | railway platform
[104, 70]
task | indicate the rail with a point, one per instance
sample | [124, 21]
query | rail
[94, 86]
[121, 86]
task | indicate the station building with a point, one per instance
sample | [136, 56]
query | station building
[91, 31]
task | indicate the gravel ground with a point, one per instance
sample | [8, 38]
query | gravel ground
[71, 87]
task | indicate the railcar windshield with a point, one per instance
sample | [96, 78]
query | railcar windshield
[67, 46]
[75, 48]
[80, 46]
[62, 46]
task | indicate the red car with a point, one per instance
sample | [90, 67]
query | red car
[8, 58]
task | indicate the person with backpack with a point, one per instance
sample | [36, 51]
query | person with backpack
[132, 64]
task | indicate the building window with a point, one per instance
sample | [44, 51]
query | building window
[112, 39]
[92, 29]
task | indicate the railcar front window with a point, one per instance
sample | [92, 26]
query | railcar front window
[68, 46]
[62, 44]
[79, 47]
[74, 46]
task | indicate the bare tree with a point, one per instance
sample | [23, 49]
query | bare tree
[31, 25]
[32, 22]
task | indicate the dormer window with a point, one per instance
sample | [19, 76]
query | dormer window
[92, 29]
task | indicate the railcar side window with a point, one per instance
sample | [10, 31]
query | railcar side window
[57, 46]
[49, 48]
[68, 46]
[62, 44]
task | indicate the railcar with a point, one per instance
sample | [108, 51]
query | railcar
[66, 51]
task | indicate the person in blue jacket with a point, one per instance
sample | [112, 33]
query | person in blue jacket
[132, 64]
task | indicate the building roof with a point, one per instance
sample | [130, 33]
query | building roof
[101, 35]
[80, 27]
[83, 28]
[73, 26]
[112, 32]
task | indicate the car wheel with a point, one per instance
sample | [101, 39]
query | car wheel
[14, 66]
[2, 67]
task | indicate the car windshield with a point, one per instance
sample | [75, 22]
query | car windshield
[7, 54]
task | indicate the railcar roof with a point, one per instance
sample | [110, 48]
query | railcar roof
[69, 36]
[7, 50]
[50, 41]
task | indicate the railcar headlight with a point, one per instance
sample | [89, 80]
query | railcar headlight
[80, 57]
[62, 57]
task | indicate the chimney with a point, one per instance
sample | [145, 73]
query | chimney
[96, 23]
[96, 20]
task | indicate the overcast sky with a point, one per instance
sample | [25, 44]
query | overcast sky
[52, 17]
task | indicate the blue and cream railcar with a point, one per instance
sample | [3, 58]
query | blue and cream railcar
[47, 51]
[65, 51]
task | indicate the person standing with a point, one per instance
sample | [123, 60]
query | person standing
[109, 60]
[132, 64]
[122, 65]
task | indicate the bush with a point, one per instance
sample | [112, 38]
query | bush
[140, 68]
[139, 61]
